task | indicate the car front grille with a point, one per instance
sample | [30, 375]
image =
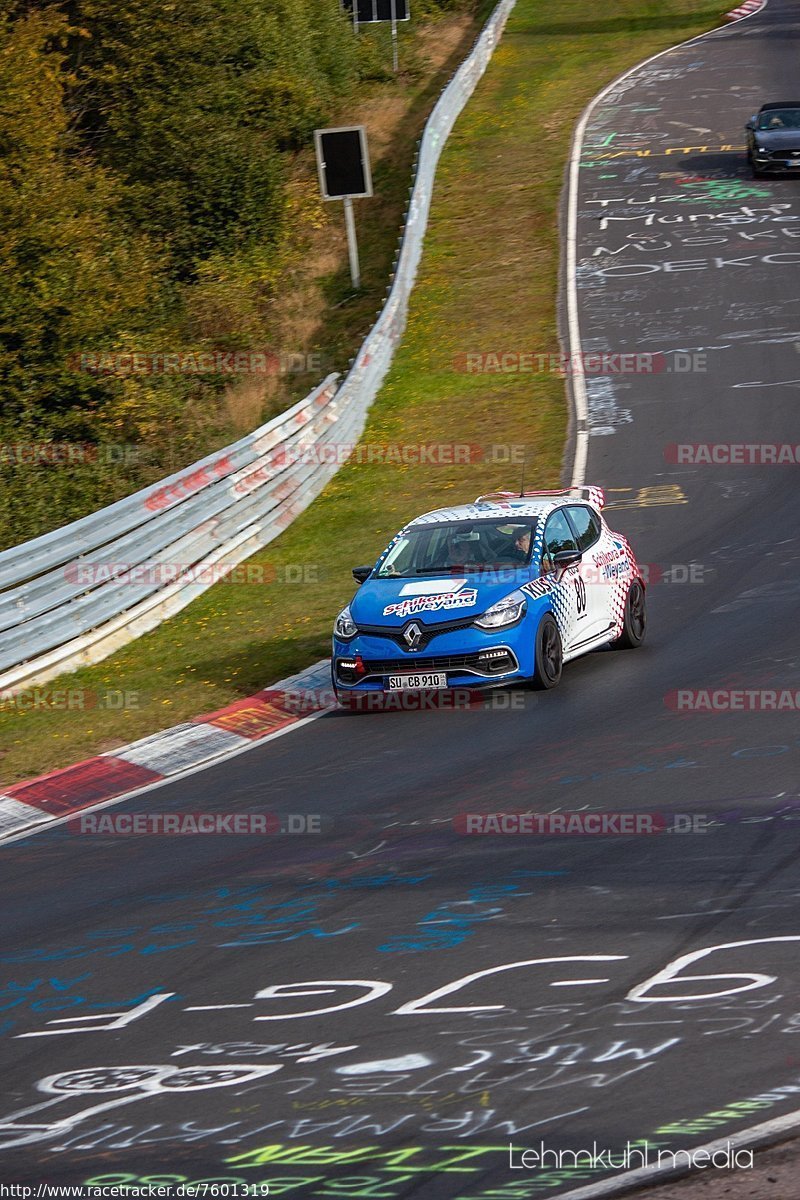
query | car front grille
[427, 632]
[786, 153]
[497, 661]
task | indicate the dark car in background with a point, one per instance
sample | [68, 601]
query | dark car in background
[773, 139]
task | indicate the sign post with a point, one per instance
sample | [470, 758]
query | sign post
[345, 174]
[352, 242]
[371, 12]
[395, 52]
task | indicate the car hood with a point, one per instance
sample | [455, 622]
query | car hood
[433, 600]
[776, 139]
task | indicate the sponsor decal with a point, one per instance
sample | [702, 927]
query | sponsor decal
[538, 588]
[606, 557]
[620, 570]
[464, 598]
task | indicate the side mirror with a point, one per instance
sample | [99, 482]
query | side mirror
[566, 558]
[751, 124]
[361, 574]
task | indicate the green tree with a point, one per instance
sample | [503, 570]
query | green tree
[71, 273]
[193, 105]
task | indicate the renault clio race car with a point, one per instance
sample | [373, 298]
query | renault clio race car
[502, 591]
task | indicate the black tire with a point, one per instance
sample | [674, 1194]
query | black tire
[549, 654]
[634, 625]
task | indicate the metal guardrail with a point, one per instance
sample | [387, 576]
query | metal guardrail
[75, 595]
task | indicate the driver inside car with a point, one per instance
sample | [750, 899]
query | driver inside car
[522, 545]
[462, 549]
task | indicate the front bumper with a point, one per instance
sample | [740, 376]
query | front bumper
[775, 163]
[498, 665]
[468, 658]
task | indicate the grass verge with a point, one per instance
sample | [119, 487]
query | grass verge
[487, 283]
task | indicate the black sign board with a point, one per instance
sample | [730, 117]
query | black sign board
[370, 11]
[343, 162]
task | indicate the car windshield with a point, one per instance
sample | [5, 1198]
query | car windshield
[459, 546]
[779, 118]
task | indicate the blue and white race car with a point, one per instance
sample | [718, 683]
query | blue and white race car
[505, 590]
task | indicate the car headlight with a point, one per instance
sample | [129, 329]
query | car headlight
[761, 150]
[345, 627]
[505, 612]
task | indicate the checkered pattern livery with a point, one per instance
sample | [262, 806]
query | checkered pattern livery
[611, 593]
[619, 589]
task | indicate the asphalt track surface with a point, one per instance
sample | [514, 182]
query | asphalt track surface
[420, 1075]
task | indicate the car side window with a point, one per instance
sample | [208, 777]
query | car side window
[558, 536]
[586, 525]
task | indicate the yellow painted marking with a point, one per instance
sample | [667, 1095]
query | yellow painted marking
[650, 497]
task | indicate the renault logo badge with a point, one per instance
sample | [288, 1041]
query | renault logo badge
[412, 636]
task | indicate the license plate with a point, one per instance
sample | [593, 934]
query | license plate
[417, 683]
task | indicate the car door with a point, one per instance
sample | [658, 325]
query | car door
[596, 567]
[568, 592]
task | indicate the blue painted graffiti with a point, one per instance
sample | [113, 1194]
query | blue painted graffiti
[452, 922]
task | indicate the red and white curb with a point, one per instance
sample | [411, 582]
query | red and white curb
[275, 710]
[744, 10]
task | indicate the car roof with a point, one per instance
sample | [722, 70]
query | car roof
[505, 510]
[779, 104]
